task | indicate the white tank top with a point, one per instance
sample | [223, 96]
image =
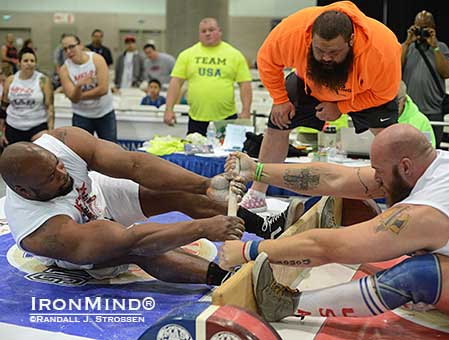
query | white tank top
[83, 203]
[90, 108]
[26, 108]
[432, 189]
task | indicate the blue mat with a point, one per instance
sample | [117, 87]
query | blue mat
[26, 301]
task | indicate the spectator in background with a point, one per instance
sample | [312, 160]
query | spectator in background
[85, 80]
[59, 58]
[97, 46]
[2, 81]
[129, 67]
[211, 67]
[157, 65]
[345, 63]
[9, 52]
[28, 43]
[27, 108]
[153, 98]
[409, 114]
[421, 85]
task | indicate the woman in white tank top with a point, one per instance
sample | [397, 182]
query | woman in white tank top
[27, 108]
[85, 81]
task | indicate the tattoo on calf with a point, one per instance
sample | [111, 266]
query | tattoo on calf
[302, 179]
[396, 220]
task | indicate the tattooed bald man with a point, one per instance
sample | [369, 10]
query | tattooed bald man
[412, 176]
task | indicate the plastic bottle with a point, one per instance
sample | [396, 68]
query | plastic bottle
[327, 143]
[211, 134]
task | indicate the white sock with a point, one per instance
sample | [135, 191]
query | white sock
[353, 299]
[256, 193]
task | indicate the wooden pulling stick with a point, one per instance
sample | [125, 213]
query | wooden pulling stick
[232, 200]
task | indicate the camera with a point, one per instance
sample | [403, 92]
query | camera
[421, 32]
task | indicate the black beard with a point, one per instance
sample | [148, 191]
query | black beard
[65, 190]
[399, 190]
[332, 75]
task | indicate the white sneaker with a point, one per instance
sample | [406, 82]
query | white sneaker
[254, 201]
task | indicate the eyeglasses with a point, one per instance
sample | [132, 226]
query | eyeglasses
[70, 47]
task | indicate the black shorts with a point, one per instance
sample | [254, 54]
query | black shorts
[14, 135]
[375, 117]
[201, 127]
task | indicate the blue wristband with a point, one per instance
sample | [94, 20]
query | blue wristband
[254, 250]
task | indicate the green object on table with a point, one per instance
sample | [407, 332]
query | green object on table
[165, 145]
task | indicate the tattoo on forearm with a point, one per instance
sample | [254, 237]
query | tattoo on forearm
[302, 179]
[363, 184]
[395, 221]
[301, 262]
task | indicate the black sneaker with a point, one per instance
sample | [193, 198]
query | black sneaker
[274, 225]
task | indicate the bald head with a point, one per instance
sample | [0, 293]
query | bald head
[424, 19]
[34, 172]
[400, 154]
[18, 160]
[403, 140]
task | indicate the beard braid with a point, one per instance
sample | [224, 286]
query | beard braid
[333, 75]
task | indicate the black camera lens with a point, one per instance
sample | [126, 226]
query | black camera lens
[425, 33]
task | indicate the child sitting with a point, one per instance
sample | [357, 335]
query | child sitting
[153, 97]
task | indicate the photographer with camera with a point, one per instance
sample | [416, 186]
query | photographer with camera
[425, 66]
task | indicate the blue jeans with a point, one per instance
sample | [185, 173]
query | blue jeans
[105, 127]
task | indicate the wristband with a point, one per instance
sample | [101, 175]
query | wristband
[436, 49]
[245, 251]
[254, 250]
[259, 170]
[250, 250]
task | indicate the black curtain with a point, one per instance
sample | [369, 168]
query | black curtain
[401, 14]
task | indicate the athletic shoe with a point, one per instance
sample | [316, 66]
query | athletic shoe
[274, 225]
[274, 300]
[327, 217]
[254, 201]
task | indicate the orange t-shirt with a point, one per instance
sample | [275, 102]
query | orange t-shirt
[376, 70]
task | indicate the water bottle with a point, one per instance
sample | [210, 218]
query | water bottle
[211, 133]
[327, 142]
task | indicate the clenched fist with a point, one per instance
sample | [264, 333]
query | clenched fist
[230, 254]
[219, 187]
[222, 228]
[247, 166]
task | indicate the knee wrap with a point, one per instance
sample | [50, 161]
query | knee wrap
[416, 279]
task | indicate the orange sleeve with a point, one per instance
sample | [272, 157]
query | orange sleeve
[384, 83]
[270, 62]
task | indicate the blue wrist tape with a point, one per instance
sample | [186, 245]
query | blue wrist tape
[254, 250]
[416, 279]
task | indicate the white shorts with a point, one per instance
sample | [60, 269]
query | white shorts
[120, 197]
[99, 274]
